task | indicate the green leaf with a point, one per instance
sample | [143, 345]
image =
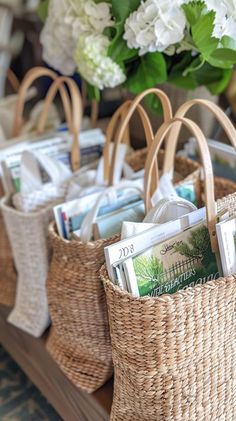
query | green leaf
[185, 82]
[43, 10]
[193, 11]
[121, 9]
[154, 104]
[223, 58]
[119, 51]
[150, 70]
[202, 35]
[217, 88]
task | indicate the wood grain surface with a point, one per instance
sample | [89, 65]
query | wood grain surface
[71, 403]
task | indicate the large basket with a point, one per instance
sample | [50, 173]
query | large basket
[174, 356]
[79, 340]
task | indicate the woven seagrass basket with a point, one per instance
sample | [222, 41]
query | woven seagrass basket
[7, 269]
[174, 356]
[79, 340]
[28, 229]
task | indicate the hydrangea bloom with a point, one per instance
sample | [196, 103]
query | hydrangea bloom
[66, 21]
[93, 63]
[56, 38]
[155, 25]
[87, 16]
[225, 20]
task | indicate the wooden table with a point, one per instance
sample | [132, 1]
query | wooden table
[71, 403]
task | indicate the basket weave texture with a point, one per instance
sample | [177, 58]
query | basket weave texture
[7, 269]
[187, 169]
[175, 355]
[29, 236]
[183, 165]
[79, 340]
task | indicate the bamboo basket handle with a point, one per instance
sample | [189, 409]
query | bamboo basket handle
[220, 116]
[111, 130]
[167, 110]
[207, 169]
[75, 116]
[28, 80]
[12, 79]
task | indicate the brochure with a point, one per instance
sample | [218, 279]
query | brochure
[223, 157]
[130, 247]
[226, 235]
[182, 261]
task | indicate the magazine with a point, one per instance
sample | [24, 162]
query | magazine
[182, 261]
[226, 235]
[130, 247]
[57, 146]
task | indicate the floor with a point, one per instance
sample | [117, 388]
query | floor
[19, 398]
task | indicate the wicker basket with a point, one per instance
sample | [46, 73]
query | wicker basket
[174, 355]
[28, 231]
[7, 269]
[8, 275]
[79, 340]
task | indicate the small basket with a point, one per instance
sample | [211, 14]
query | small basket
[79, 340]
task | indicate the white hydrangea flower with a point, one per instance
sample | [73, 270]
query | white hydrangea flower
[93, 63]
[56, 39]
[66, 21]
[155, 26]
[225, 20]
[87, 16]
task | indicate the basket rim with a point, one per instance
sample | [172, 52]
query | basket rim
[5, 206]
[165, 298]
[52, 229]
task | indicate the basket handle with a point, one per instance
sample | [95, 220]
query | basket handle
[167, 110]
[12, 79]
[111, 130]
[76, 114]
[28, 80]
[207, 169]
[220, 116]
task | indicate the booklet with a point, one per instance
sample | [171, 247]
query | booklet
[223, 157]
[69, 216]
[132, 246]
[182, 261]
[110, 223]
[226, 235]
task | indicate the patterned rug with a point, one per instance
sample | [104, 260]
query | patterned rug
[19, 398]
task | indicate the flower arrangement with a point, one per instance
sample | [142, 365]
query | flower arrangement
[139, 44]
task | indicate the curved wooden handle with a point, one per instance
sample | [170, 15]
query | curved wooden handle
[111, 131]
[12, 79]
[207, 169]
[167, 110]
[172, 140]
[74, 117]
[28, 80]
